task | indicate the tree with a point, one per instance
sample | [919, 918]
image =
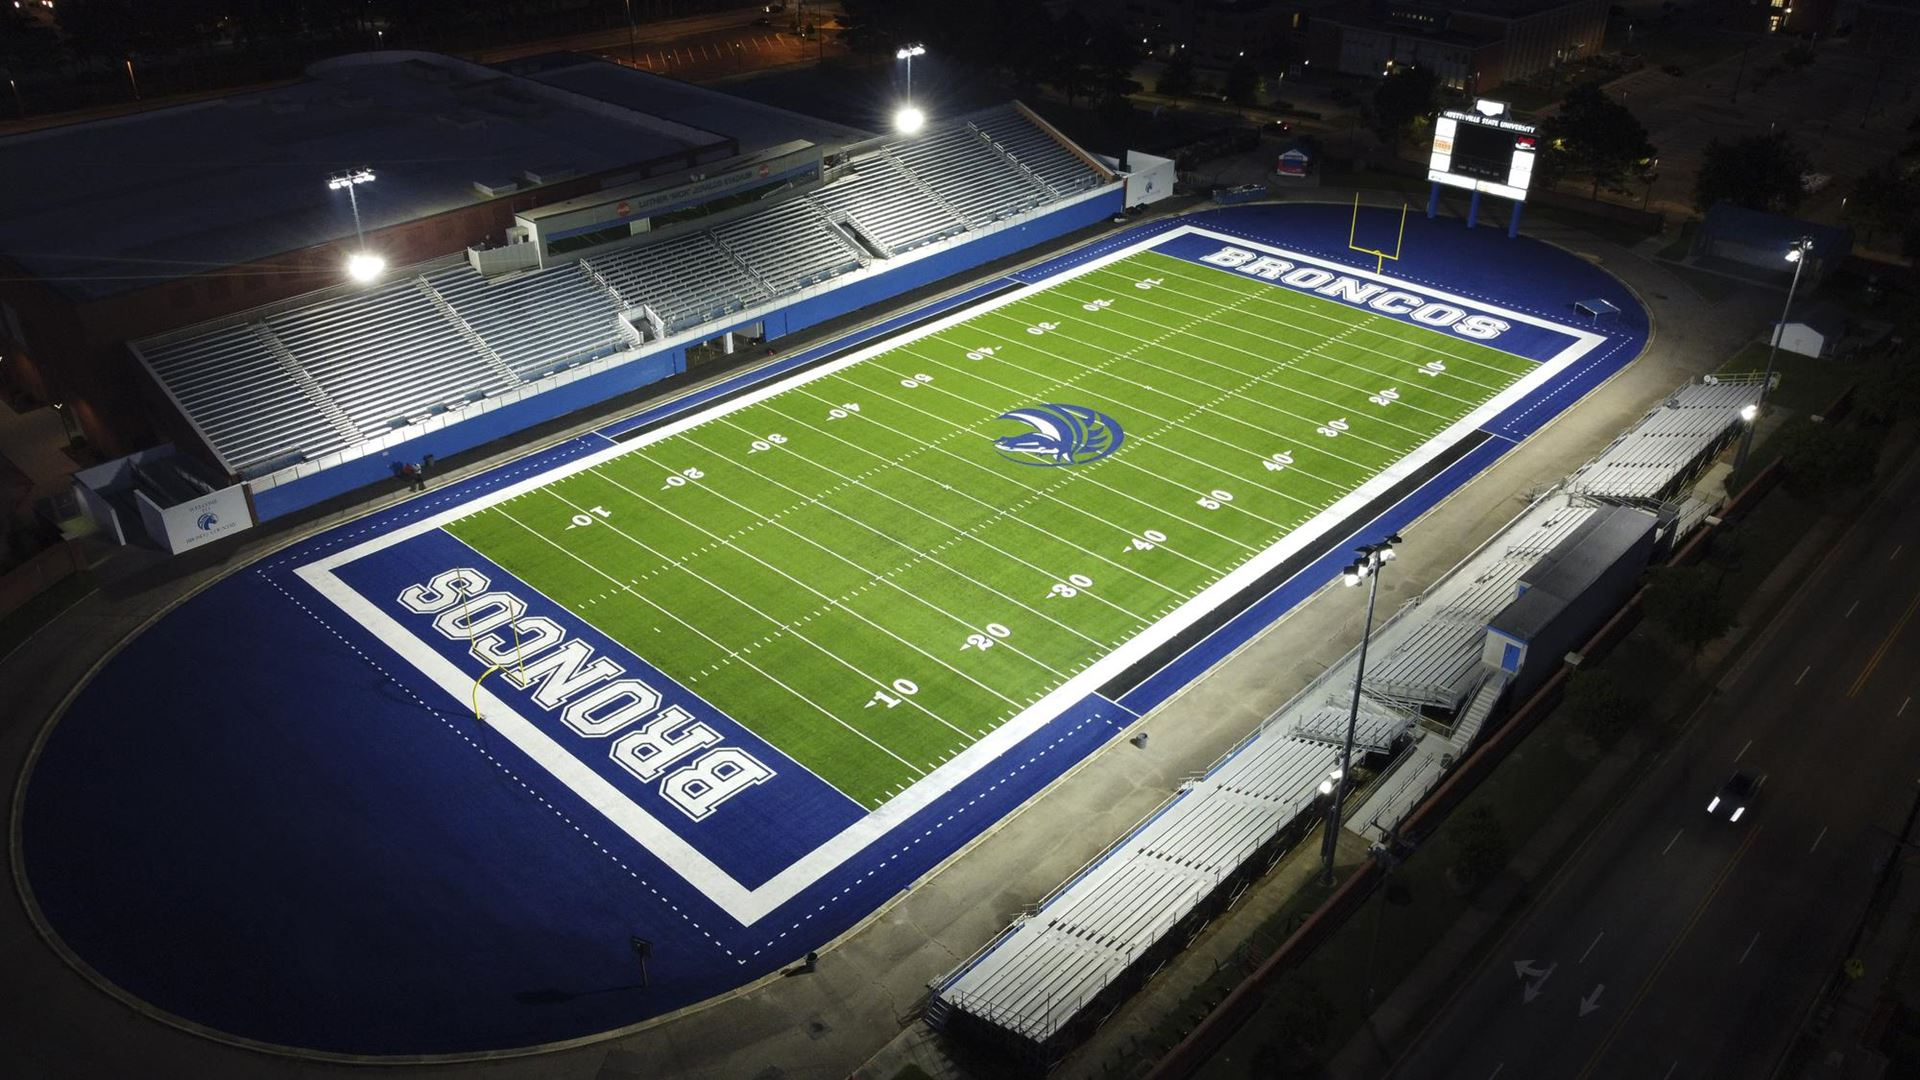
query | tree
[1598, 705]
[1599, 136]
[1889, 388]
[1176, 79]
[1884, 200]
[1685, 602]
[1407, 95]
[1243, 81]
[1481, 847]
[1759, 172]
[1827, 459]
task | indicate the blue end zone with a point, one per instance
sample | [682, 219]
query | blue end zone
[259, 818]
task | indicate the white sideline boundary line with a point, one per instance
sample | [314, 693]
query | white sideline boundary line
[748, 906]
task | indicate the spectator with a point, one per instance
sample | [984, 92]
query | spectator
[426, 468]
[411, 473]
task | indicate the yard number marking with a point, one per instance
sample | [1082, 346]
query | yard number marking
[1147, 283]
[906, 688]
[1070, 587]
[1213, 499]
[915, 380]
[841, 411]
[1278, 462]
[1431, 368]
[1385, 397]
[582, 520]
[1332, 428]
[1148, 540]
[983, 641]
[1096, 305]
[1041, 328]
[981, 353]
[680, 478]
[768, 443]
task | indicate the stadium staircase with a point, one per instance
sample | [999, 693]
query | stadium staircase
[336, 416]
[465, 329]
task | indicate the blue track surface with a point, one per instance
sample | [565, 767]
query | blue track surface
[258, 819]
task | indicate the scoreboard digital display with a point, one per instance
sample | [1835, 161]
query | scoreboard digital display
[1482, 152]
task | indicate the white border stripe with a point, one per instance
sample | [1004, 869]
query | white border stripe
[750, 905]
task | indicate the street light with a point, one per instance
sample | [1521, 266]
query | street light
[909, 119]
[1372, 558]
[1796, 254]
[363, 265]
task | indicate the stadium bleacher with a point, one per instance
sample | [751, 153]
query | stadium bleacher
[307, 381]
[1645, 463]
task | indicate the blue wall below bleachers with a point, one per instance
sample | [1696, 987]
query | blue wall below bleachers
[306, 491]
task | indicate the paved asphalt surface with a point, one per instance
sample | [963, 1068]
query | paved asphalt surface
[1675, 944]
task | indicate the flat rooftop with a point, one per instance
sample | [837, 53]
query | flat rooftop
[111, 205]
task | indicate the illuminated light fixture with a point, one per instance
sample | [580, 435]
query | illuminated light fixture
[908, 52]
[1749, 411]
[364, 266]
[909, 120]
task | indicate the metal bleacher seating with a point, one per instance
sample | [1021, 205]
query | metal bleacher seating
[386, 356]
[1377, 727]
[1645, 463]
[687, 279]
[1431, 657]
[1056, 166]
[535, 322]
[1035, 979]
[968, 175]
[899, 214]
[789, 246]
[247, 402]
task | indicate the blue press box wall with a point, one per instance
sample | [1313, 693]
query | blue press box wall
[307, 491]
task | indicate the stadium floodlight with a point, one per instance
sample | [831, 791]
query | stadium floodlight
[362, 265]
[1749, 412]
[1372, 558]
[909, 119]
[1796, 254]
[365, 266]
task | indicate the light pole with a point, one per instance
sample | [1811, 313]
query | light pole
[909, 119]
[1797, 255]
[630, 32]
[362, 265]
[1372, 558]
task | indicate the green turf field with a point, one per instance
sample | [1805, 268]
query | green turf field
[853, 570]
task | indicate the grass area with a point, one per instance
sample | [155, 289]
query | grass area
[20, 624]
[875, 567]
[1807, 384]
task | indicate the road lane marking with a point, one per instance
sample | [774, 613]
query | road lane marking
[1803, 674]
[1674, 947]
[1750, 945]
[1903, 707]
[1670, 1068]
[1670, 843]
[1596, 941]
[1896, 552]
[1848, 615]
[1817, 839]
[1743, 750]
[1496, 1070]
[1887, 642]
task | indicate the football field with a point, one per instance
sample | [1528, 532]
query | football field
[874, 565]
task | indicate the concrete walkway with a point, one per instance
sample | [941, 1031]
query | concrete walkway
[869, 983]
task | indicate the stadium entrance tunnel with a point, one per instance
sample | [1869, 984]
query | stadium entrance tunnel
[281, 817]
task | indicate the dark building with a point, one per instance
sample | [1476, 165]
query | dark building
[1473, 45]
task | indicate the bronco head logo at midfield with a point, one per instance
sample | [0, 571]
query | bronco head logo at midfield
[1060, 435]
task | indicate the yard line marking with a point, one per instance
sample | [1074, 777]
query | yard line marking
[791, 628]
[1046, 491]
[1280, 296]
[669, 614]
[1817, 839]
[1079, 475]
[1749, 949]
[1313, 351]
[917, 557]
[1670, 843]
[1596, 941]
[776, 623]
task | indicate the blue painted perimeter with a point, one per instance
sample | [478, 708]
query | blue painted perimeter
[258, 818]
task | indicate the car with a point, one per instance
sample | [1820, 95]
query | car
[763, 21]
[1279, 127]
[1734, 795]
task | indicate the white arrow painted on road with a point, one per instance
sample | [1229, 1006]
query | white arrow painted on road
[1592, 1001]
[1534, 989]
[1524, 969]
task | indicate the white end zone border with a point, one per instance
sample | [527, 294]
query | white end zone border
[750, 905]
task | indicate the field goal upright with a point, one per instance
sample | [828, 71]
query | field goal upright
[1380, 256]
[1485, 151]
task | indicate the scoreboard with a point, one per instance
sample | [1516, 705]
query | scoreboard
[1483, 150]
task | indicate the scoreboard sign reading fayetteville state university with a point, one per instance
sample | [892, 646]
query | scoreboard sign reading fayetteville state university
[1483, 150]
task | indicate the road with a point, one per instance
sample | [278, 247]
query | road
[697, 48]
[1676, 945]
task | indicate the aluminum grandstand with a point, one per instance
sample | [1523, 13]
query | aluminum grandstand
[280, 393]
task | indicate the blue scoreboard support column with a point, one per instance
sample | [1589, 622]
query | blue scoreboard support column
[1433, 200]
[1513, 223]
[1473, 209]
